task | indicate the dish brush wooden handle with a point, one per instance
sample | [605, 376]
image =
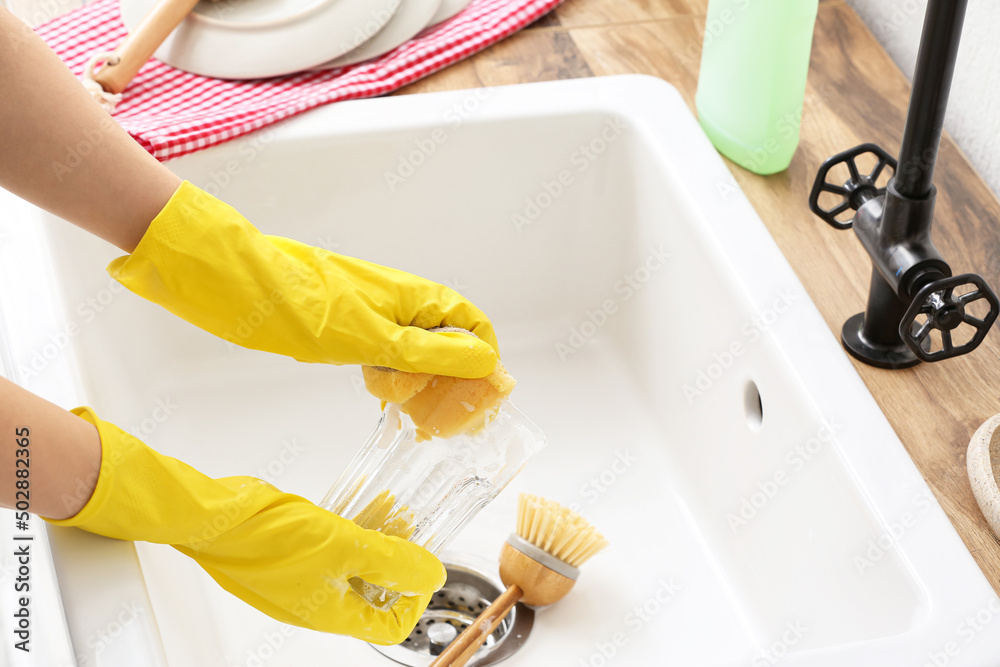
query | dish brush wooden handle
[141, 43]
[463, 647]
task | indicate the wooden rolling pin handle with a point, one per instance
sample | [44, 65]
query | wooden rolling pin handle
[142, 43]
[461, 650]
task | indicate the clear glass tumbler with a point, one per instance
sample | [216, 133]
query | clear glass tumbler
[427, 491]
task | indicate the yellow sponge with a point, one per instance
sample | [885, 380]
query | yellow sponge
[393, 386]
[441, 406]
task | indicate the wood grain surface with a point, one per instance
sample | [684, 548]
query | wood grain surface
[855, 94]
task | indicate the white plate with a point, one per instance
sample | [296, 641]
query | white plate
[448, 9]
[257, 13]
[249, 39]
[412, 17]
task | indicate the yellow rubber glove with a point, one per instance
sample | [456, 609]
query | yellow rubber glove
[201, 260]
[276, 551]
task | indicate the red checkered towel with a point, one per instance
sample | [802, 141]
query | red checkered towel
[173, 113]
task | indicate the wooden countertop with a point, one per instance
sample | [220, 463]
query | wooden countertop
[855, 94]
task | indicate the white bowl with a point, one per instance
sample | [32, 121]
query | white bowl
[983, 463]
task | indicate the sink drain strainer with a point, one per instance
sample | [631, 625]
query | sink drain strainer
[466, 594]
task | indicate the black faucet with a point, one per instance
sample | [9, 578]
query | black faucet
[913, 293]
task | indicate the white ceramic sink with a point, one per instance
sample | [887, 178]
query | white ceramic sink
[642, 306]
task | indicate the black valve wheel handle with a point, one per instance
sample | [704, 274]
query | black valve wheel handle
[946, 312]
[855, 191]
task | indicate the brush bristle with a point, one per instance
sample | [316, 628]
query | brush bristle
[557, 530]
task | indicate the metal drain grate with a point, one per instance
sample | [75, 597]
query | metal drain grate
[457, 605]
[466, 594]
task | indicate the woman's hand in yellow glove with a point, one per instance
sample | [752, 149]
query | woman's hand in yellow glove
[201, 260]
[276, 551]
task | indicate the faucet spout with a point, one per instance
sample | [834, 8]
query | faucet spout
[932, 77]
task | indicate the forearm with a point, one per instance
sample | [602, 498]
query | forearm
[63, 454]
[64, 153]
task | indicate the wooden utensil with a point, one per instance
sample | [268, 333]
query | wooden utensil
[141, 44]
[539, 565]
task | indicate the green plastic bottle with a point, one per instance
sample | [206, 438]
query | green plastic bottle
[754, 61]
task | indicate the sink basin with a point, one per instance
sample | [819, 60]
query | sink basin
[699, 410]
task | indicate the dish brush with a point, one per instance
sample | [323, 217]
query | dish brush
[538, 565]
